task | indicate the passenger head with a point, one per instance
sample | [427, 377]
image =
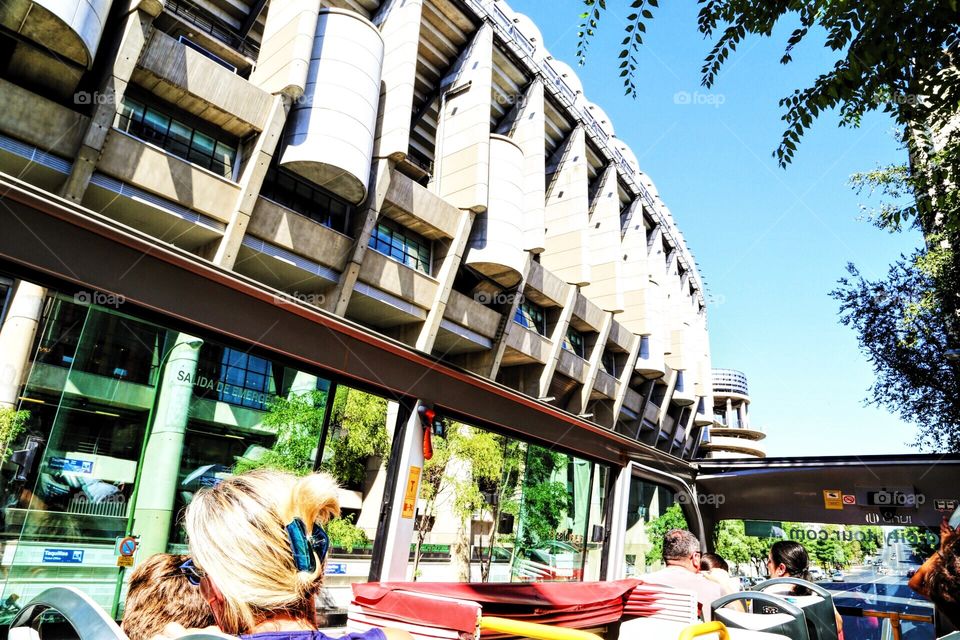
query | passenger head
[160, 594]
[239, 535]
[789, 558]
[710, 561]
[943, 581]
[681, 548]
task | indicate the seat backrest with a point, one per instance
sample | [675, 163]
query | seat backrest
[769, 613]
[80, 611]
[817, 608]
[648, 600]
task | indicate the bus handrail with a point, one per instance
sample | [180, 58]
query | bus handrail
[705, 628]
[533, 630]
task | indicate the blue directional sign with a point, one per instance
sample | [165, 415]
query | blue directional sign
[63, 556]
[71, 465]
[336, 569]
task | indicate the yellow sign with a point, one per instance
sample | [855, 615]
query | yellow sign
[410, 498]
[125, 561]
[833, 499]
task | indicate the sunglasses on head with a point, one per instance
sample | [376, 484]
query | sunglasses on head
[208, 590]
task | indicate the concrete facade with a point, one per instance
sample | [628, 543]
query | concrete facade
[484, 213]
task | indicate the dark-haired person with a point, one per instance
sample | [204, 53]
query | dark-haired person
[938, 579]
[160, 594]
[789, 558]
[681, 554]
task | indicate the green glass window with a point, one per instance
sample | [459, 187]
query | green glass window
[532, 317]
[574, 342]
[306, 199]
[402, 245]
[177, 137]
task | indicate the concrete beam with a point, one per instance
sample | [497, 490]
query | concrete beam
[445, 278]
[136, 28]
[251, 180]
[380, 175]
[625, 377]
[557, 338]
[596, 358]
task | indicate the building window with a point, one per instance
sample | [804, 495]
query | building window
[402, 245]
[532, 317]
[574, 342]
[609, 362]
[178, 138]
[299, 195]
[234, 377]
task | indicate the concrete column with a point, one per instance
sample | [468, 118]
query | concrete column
[251, 180]
[445, 277]
[606, 255]
[596, 358]
[557, 338]
[625, 377]
[567, 206]
[742, 416]
[462, 166]
[729, 414]
[665, 405]
[135, 30]
[16, 339]
[380, 181]
[500, 347]
[396, 555]
[399, 22]
[153, 513]
[526, 127]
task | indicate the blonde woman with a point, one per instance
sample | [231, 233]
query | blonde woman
[258, 544]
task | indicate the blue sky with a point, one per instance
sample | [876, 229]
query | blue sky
[770, 243]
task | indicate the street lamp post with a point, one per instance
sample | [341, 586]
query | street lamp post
[132, 506]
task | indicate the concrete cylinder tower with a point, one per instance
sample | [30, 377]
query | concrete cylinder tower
[329, 138]
[496, 246]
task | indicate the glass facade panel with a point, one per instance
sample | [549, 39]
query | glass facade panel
[496, 509]
[532, 317]
[574, 342]
[308, 200]
[178, 138]
[129, 419]
[402, 245]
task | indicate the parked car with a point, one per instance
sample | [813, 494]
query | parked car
[836, 575]
[816, 574]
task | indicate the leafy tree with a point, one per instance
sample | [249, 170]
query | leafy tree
[297, 421]
[545, 501]
[896, 57]
[478, 473]
[672, 518]
[900, 327]
[12, 424]
[901, 59]
[357, 432]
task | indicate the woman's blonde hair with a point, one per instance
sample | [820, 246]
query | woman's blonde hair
[237, 535]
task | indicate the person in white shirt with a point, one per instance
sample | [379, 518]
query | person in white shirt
[681, 554]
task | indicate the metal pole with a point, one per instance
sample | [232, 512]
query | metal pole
[131, 507]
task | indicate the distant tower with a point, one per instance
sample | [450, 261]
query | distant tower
[731, 435]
